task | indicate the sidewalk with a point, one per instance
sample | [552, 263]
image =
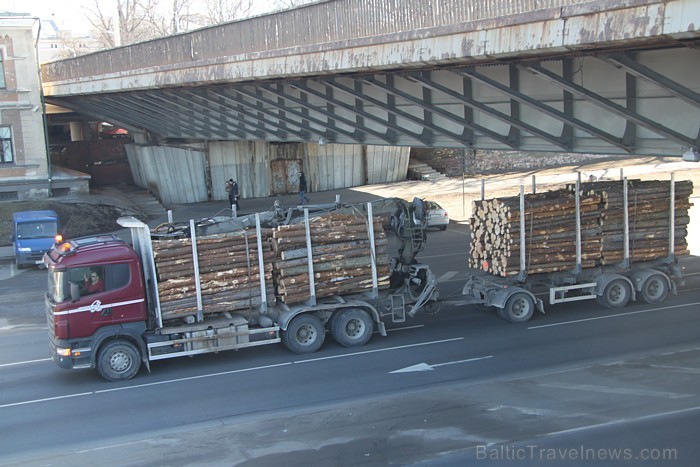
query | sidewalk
[454, 194]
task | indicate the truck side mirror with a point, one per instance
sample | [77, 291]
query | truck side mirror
[74, 291]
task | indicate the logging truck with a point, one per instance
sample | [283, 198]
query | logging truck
[225, 283]
[612, 241]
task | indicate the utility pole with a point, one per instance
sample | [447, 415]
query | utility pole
[116, 21]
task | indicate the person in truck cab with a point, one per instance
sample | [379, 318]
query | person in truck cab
[94, 283]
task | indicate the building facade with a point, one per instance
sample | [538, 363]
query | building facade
[24, 165]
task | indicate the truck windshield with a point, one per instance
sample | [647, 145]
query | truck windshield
[59, 287]
[37, 229]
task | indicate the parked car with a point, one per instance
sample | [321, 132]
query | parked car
[33, 234]
[437, 216]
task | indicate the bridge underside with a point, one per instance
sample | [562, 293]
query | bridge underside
[614, 102]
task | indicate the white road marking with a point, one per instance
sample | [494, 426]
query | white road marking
[447, 276]
[451, 255]
[616, 390]
[46, 399]
[190, 378]
[416, 326]
[210, 375]
[613, 316]
[624, 420]
[408, 346]
[428, 367]
[25, 362]
[528, 410]
[678, 369]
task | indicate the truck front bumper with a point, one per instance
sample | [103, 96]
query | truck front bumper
[66, 354]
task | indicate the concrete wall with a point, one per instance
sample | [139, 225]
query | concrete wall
[204, 171]
[247, 162]
[175, 175]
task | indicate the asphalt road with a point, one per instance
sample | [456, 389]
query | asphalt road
[576, 386]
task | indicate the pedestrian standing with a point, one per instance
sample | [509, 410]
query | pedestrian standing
[302, 188]
[232, 190]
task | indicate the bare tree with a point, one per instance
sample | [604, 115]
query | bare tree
[72, 46]
[174, 17]
[222, 11]
[284, 4]
[140, 20]
[130, 16]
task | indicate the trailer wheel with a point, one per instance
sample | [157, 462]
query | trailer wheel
[305, 334]
[616, 294]
[519, 308]
[352, 327]
[118, 360]
[655, 289]
[432, 307]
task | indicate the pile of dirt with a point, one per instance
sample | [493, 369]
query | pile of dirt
[75, 219]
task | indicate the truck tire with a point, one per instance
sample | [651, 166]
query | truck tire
[519, 308]
[616, 294]
[432, 307]
[118, 360]
[352, 327]
[305, 334]
[655, 289]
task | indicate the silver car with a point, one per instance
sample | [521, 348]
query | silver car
[437, 216]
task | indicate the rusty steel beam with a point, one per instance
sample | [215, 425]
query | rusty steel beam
[359, 112]
[473, 104]
[305, 105]
[581, 125]
[260, 120]
[330, 114]
[200, 98]
[627, 63]
[608, 105]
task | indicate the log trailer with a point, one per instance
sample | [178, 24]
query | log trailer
[128, 324]
[648, 271]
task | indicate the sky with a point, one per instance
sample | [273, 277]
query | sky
[67, 14]
[70, 14]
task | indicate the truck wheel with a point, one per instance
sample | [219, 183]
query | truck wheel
[655, 289]
[305, 334]
[519, 308]
[616, 294]
[118, 360]
[352, 327]
[432, 307]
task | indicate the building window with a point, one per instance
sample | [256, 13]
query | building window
[2, 70]
[6, 155]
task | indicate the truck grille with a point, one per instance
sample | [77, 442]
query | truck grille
[49, 314]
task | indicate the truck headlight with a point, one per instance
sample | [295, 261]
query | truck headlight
[63, 352]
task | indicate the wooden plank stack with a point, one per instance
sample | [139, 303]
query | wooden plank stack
[550, 227]
[341, 253]
[229, 273]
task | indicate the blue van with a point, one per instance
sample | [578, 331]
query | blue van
[33, 234]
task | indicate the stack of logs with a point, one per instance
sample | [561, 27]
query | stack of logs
[648, 204]
[340, 248]
[228, 268]
[550, 227]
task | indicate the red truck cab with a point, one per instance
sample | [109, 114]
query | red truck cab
[96, 296]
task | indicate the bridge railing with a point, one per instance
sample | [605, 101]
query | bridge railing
[303, 28]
